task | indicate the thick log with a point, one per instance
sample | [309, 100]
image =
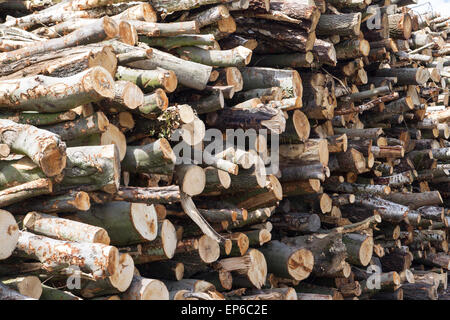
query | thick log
[72, 201]
[328, 250]
[97, 259]
[342, 24]
[149, 80]
[70, 130]
[92, 168]
[25, 191]
[351, 49]
[416, 200]
[64, 229]
[146, 289]
[126, 223]
[288, 80]
[250, 269]
[359, 248]
[389, 211]
[400, 25]
[156, 157]
[288, 262]
[415, 76]
[237, 57]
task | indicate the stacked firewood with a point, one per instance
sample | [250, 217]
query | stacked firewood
[110, 187]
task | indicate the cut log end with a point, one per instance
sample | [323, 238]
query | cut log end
[169, 238]
[128, 33]
[133, 97]
[300, 264]
[145, 220]
[325, 203]
[264, 236]
[9, 234]
[366, 251]
[257, 273]
[192, 180]
[101, 81]
[53, 160]
[166, 150]
[301, 125]
[121, 280]
[169, 81]
[29, 286]
[114, 136]
[208, 249]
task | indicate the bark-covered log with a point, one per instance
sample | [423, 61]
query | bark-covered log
[149, 79]
[328, 250]
[117, 283]
[288, 262]
[103, 29]
[146, 289]
[72, 201]
[289, 80]
[25, 191]
[92, 168]
[44, 148]
[64, 229]
[97, 259]
[250, 269]
[237, 57]
[126, 223]
[342, 24]
[156, 157]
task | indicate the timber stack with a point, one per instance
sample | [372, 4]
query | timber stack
[100, 100]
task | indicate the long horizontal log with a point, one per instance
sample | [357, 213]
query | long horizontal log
[64, 229]
[9, 234]
[103, 29]
[237, 57]
[97, 259]
[25, 191]
[126, 223]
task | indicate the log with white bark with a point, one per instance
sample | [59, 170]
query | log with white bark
[9, 234]
[97, 259]
[49, 94]
[43, 147]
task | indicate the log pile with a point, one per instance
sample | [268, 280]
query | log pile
[100, 101]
